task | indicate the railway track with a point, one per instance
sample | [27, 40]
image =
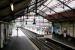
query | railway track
[42, 43]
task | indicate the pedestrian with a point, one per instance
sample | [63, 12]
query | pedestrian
[65, 32]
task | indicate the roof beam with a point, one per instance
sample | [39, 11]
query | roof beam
[48, 16]
[65, 4]
[18, 10]
[49, 8]
[54, 11]
[46, 4]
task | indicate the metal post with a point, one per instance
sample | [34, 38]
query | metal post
[17, 32]
[36, 6]
[22, 20]
[27, 11]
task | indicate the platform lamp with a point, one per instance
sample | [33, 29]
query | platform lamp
[27, 11]
[27, 14]
[26, 19]
[26, 22]
[34, 21]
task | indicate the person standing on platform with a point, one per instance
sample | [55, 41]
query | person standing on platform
[65, 32]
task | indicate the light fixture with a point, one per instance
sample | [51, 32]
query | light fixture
[26, 22]
[34, 22]
[12, 7]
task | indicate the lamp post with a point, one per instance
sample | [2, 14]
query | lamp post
[17, 32]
